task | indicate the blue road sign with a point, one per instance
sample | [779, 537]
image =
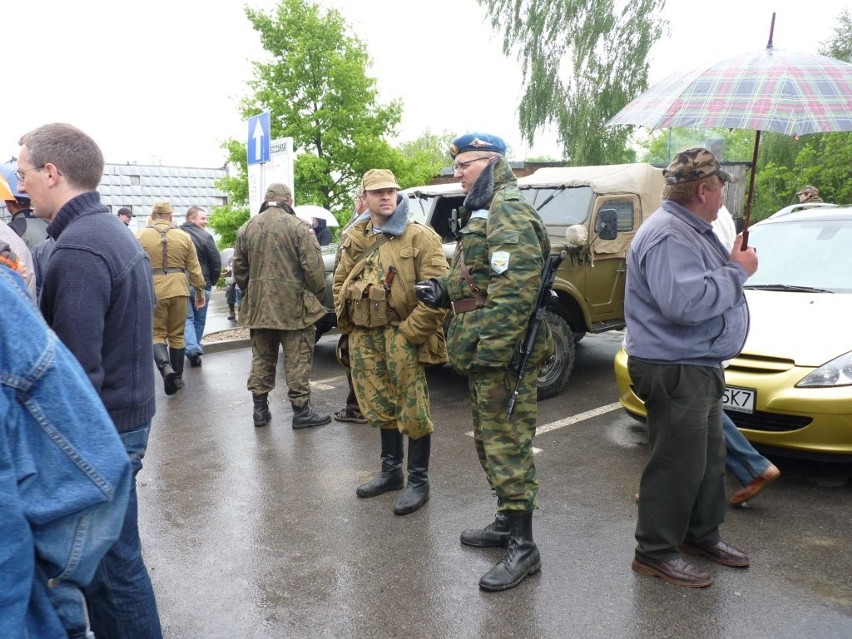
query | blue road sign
[258, 138]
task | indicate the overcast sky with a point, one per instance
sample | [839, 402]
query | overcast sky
[159, 81]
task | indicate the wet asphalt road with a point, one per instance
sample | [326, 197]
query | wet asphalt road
[258, 532]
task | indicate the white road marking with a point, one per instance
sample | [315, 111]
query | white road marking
[546, 428]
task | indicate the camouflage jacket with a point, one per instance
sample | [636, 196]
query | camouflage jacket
[417, 254]
[180, 256]
[278, 265]
[505, 245]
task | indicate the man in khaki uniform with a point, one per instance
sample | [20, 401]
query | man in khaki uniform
[278, 265]
[173, 257]
[392, 336]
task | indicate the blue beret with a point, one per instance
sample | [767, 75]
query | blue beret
[477, 141]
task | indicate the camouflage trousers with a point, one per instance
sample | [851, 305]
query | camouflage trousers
[298, 360]
[390, 384]
[170, 321]
[504, 447]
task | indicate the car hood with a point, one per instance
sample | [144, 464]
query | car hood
[806, 328]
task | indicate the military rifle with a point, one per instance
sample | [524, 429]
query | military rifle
[544, 299]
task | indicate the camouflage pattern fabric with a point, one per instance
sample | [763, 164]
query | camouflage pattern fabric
[298, 361]
[389, 383]
[505, 247]
[278, 266]
[505, 448]
[490, 337]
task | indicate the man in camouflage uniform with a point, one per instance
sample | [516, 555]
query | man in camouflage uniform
[392, 337]
[278, 265]
[173, 257]
[808, 193]
[492, 286]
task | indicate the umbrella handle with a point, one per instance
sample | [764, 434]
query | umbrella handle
[745, 239]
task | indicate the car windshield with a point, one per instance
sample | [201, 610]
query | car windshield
[803, 255]
[561, 205]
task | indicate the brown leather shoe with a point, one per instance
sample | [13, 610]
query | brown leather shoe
[721, 553]
[676, 571]
[758, 483]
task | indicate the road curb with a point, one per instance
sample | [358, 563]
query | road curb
[226, 345]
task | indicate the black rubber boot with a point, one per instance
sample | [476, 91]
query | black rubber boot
[522, 557]
[417, 491]
[261, 414]
[231, 313]
[390, 477]
[496, 534]
[161, 359]
[176, 357]
[306, 417]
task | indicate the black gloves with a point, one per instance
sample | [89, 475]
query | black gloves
[431, 293]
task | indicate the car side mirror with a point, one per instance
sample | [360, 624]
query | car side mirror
[606, 225]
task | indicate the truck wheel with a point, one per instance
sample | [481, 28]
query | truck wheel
[554, 374]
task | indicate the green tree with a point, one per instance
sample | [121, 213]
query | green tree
[582, 62]
[316, 87]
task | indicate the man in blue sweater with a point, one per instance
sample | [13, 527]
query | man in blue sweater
[98, 297]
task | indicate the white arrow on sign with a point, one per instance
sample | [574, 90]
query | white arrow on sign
[258, 140]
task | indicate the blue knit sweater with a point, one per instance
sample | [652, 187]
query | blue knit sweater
[98, 296]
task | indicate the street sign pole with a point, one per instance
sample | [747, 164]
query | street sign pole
[257, 155]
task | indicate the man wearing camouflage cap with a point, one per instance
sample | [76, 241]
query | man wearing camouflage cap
[277, 263]
[491, 288]
[686, 313]
[808, 193]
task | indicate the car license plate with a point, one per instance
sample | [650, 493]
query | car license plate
[739, 399]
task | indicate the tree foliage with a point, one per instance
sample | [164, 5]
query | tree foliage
[582, 62]
[315, 84]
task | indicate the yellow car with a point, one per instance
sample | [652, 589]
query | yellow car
[790, 388]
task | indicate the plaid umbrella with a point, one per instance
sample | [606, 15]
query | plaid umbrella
[779, 91]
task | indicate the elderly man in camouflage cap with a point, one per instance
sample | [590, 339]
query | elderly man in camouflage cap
[686, 313]
[278, 265]
[808, 193]
[492, 288]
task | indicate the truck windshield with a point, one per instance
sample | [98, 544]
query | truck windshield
[560, 205]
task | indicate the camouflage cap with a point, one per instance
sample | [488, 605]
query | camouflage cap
[694, 164]
[276, 192]
[477, 141]
[376, 179]
[161, 207]
[808, 190]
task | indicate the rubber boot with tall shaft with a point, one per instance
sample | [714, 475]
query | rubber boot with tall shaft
[417, 490]
[390, 477]
[261, 414]
[161, 359]
[176, 357]
[522, 557]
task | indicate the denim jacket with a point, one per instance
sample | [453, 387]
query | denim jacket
[64, 476]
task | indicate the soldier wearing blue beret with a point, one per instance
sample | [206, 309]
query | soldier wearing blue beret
[492, 288]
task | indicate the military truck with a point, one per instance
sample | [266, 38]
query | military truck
[593, 212]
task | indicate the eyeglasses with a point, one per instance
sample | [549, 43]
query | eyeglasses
[21, 175]
[462, 166]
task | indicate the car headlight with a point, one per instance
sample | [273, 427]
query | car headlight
[837, 372]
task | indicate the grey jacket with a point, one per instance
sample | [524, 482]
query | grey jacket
[684, 301]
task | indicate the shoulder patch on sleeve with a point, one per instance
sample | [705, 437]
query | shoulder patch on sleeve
[500, 262]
